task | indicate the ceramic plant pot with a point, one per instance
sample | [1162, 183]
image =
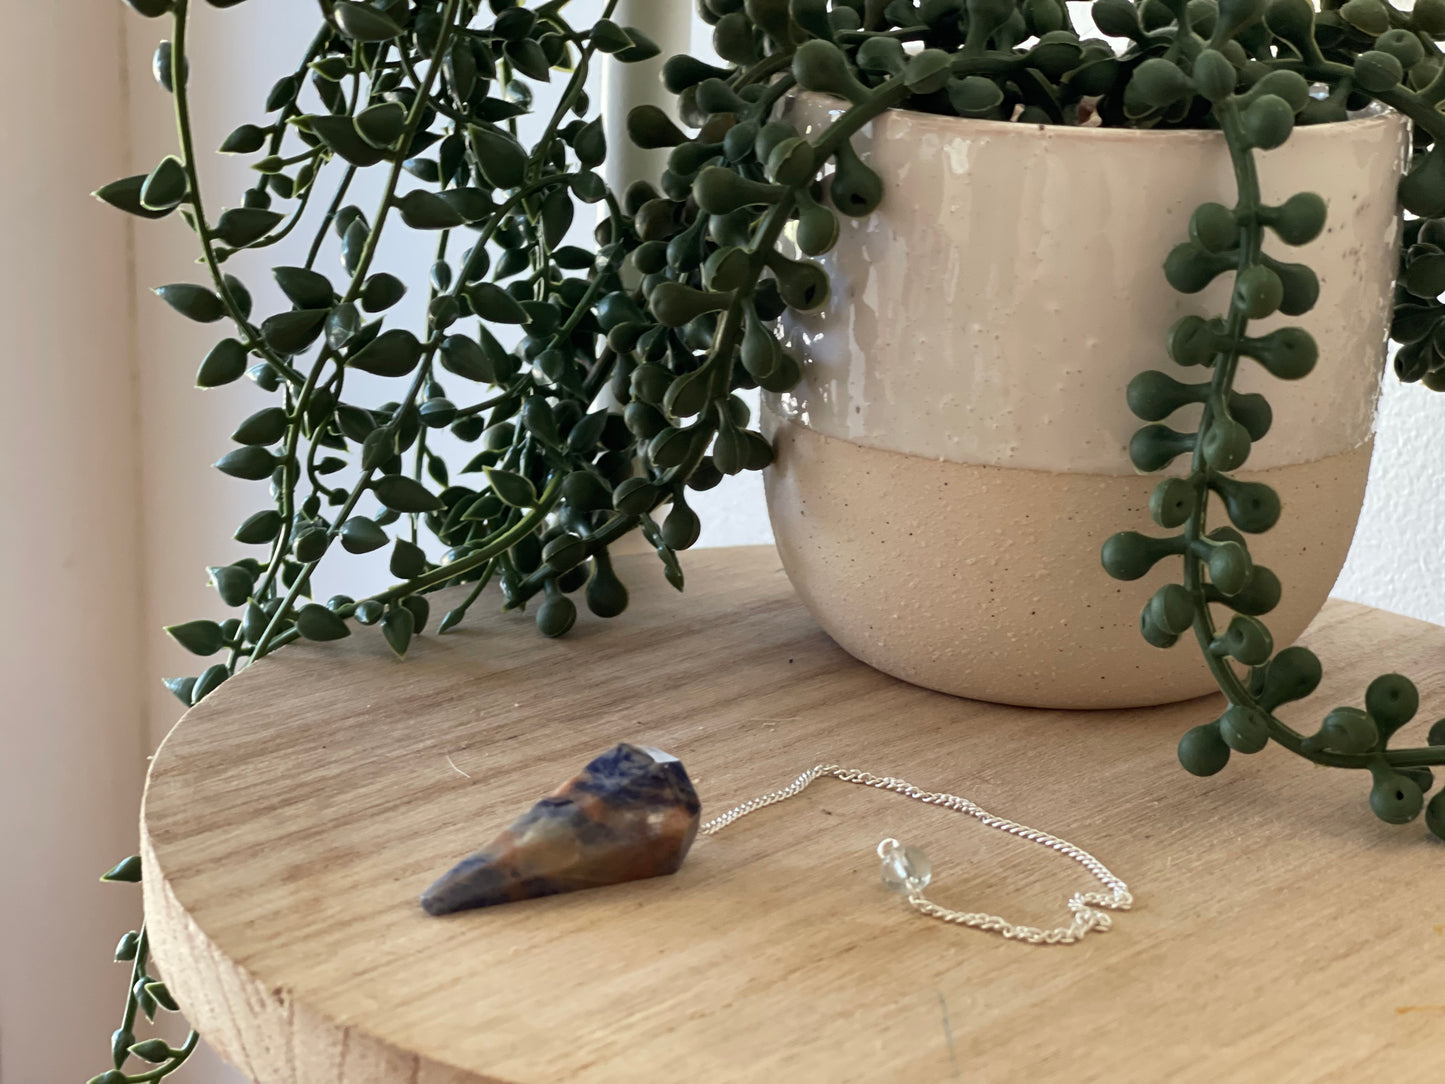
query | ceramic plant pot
[956, 452]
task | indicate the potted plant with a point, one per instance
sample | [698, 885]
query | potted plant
[968, 380]
[676, 306]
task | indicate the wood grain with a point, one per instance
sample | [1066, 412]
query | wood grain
[1281, 934]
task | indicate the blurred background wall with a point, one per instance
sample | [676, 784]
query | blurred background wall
[113, 512]
[73, 645]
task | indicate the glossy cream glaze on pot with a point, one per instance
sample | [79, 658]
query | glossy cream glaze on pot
[990, 315]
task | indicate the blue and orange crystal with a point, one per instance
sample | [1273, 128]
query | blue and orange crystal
[629, 814]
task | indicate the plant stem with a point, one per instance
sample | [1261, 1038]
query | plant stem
[181, 96]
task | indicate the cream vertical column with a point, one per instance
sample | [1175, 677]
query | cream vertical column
[70, 662]
[669, 23]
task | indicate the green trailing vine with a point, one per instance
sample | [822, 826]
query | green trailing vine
[592, 387]
[1367, 49]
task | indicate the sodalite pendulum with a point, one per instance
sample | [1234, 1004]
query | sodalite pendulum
[631, 813]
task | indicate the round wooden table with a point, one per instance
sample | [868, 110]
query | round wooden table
[1281, 932]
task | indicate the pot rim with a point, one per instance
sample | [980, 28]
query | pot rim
[951, 125]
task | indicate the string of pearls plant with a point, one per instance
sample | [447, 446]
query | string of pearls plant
[527, 330]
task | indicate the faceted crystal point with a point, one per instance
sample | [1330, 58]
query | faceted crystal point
[905, 869]
[631, 813]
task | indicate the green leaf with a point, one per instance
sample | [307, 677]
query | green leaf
[494, 304]
[505, 365]
[377, 448]
[162, 67]
[209, 681]
[502, 159]
[359, 534]
[282, 92]
[465, 357]
[316, 622]
[165, 186]
[642, 47]
[354, 422]
[162, 995]
[460, 69]
[1425, 276]
[121, 1040]
[247, 139]
[353, 244]
[541, 421]
[423, 210]
[124, 195]
[150, 8]
[154, 1051]
[198, 637]
[124, 872]
[310, 545]
[583, 436]
[590, 144]
[341, 136]
[403, 494]
[125, 949]
[556, 216]
[180, 688]
[408, 560]
[342, 324]
[361, 22]
[927, 71]
[381, 125]
[392, 353]
[332, 68]
[512, 488]
[143, 1000]
[250, 463]
[473, 204]
[381, 291]
[239, 295]
[589, 187]
[397, 626]
[528, 58]
[292, 332]
[608, 37]
[241, 226]
[420, 610]
[225, 363]
[259, 529]
[304, 288]
[515, 23]
[233, 583]
[192, 301]
[266, 426]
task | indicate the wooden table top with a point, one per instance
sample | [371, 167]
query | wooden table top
[1281, 933]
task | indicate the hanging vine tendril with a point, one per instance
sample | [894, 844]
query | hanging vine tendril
[428, 92]
[1217, 566]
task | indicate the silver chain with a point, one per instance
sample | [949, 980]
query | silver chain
[1084, 906]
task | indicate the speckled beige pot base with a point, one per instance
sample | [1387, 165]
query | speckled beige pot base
[887, 549]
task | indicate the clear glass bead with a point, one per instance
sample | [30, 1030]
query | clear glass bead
[905, 869]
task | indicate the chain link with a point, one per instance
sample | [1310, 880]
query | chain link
[1089, 909]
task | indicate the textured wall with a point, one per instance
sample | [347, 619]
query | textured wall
[1395, 562]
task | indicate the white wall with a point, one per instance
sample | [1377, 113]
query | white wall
[1395, 560]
